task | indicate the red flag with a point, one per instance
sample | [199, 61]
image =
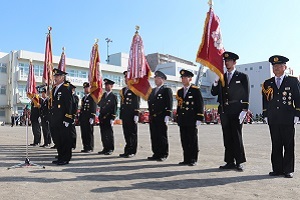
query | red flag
[48, 64]
[211, 48]
[62, 62]
[31, 87]
[95, 78]
[138, 71]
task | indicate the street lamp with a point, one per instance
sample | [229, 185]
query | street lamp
[107, 48]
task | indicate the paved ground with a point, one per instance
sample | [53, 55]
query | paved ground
[93, 176]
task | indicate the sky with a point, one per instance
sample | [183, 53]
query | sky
[255, 29]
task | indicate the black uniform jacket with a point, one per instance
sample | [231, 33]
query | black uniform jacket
[161, 103]
[281, 105]
[191, 107]
[35, 111]
[61, 105]
[234, 97]
[130, 104]
[88, 108]
[108, 107]
[44, 110]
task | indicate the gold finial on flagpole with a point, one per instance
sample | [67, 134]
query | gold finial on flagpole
[96, 40]
[30, 60]
[210, 3]
[63, 49]
[137, 28]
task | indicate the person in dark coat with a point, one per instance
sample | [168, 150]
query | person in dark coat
[233, 101]
[160, 104]
[190, 113]
[129, 114]
[74, 112]
[35, 123]
[107, 115]
[61, 117]
[281, 110]
[86, 119]
[44, 114]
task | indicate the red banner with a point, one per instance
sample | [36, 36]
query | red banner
[62, 62]
[95, 77]
[48, 64]
[138, 71]
[31, 87]
[211, 48]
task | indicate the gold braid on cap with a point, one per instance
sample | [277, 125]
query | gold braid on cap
[268, 92]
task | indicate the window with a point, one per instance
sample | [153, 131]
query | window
[260, 67]
[3, 89]
[22, 90]
[3, 68]
[246, 69]
[252, 86]
[251, 68]
[77, 73]
[2, 113]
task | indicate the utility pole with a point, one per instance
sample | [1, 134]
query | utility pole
[107, 48]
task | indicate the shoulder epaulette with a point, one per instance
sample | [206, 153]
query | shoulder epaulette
[194, 86]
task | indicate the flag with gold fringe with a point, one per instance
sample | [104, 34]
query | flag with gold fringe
[95, 77]
[48, 63]
[138, 71]
[31, 90]
[211, 48]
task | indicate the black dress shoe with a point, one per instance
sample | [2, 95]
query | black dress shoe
[192, 164]
[228, 166]
[129, 155]
[123, 155]
[239, 167]
[55, 161]
[63, 163]
[33, 144]
[54, 147]
[275, 173]
[108, 153]
[183, 163]
[152, 158]
[86, 151]
[288, 175]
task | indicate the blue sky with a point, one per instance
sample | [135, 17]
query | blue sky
[253, 29]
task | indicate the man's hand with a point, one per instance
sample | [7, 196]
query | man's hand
[167, 119]
[242, 116]
[91, 121]
[136, 119]
[112, 122]
[66, 123]
[266, 120]
[198, 123]
[296, 119]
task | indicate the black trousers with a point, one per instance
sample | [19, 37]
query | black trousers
[63, 140]
[283, 147]
[189, 142]
[73, 135]
[130, 135]
[107, 135]
[46, 132]
[232, 138]
[87, 134]
[36, 130]
[159, 137]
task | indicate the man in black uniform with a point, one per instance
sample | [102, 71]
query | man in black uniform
[281, 110]
[35, 123]
[189, 115]
[61, 117]
[74, 112]
[86, 119]
[107, 115]
[233, 106]
[44, 112]
[129, 114]
[160, 104]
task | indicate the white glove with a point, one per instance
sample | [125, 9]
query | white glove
[296, 119]
[66, 123]
[39, 120]
[91, 121]
[266, 120]
[136, 119]
[198, 123]
[242, 116]
[112, 122]
[216, 80]
[167, 119]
